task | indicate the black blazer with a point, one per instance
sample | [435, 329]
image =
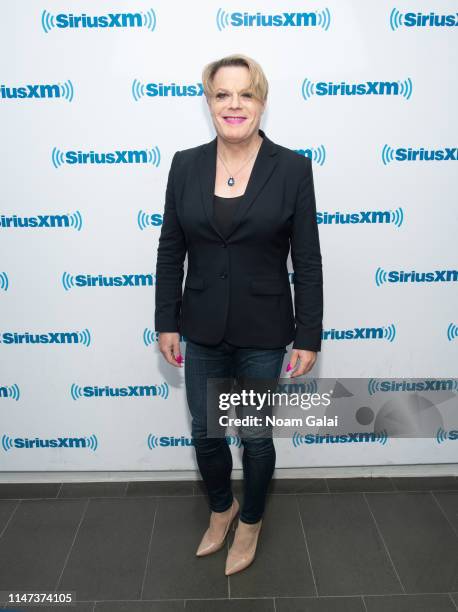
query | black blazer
[238, 288]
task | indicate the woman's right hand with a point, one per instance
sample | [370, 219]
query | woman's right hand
[169, 345]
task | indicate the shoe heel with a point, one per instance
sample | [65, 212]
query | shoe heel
[233, 525]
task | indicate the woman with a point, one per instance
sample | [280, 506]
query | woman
[235, 206]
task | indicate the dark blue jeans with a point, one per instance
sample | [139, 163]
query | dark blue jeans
[214, 457]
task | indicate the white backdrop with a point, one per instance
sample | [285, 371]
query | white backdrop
[65, 90]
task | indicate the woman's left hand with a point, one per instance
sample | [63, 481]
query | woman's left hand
[306, 362]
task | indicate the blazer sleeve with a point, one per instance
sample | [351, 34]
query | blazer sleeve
[171, 253]
[307, 265]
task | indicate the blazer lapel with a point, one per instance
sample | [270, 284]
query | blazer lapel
[263, 167]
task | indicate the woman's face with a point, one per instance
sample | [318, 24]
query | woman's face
[235, 112]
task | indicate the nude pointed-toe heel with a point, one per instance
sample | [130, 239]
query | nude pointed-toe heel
[208, 544]
[237, 561]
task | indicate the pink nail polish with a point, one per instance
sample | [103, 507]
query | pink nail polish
[179, 358]
[288, 367]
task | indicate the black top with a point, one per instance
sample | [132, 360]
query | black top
[224, 211]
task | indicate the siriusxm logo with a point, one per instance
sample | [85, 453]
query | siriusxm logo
[452, 332]
[443, 436]
[4, 282]
[161, 390]
[311, 19]
[89, 442]
[71, 220]
[387, 332]
[174, 441]
[317, 154]
[348, 438]
[161, 90]
[10, 392]
[388, 386]
[154, 441]
[145, 220]
[76, 337]
[367, 88]
[64, 21]
[393, 217]
[150, 336]
[412, 276]
[402, 154]
[135, 156]
[310, 386]
[422, 20]
[57, 90]
[101, 280]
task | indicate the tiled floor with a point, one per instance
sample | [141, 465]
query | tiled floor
[327, 545]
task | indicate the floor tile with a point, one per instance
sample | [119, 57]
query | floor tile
[7, 507]
[78, 607]
[29, 490]
[281, 566]
[420, 483]
[421, 542]
[410, 603]
[109, 555]
[40, 530]
[93, 489]
[448, 501]
[160, 488]
[346, 552]
[343, 485]
[279, 486]
[320, 604]
[230, 605]
[140, 606]
[298, 485]
[113, 545]
[199, 488]
[173, 570]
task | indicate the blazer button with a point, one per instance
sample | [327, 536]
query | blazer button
[223, 275]
[224, 245]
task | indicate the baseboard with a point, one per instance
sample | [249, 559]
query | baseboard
[370, 471]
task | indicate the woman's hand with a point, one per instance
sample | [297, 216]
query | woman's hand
[306, 363]
[169, 345]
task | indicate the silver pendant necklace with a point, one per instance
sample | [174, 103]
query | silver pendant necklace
[231, 179]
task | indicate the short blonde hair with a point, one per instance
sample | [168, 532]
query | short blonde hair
[259, 82]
